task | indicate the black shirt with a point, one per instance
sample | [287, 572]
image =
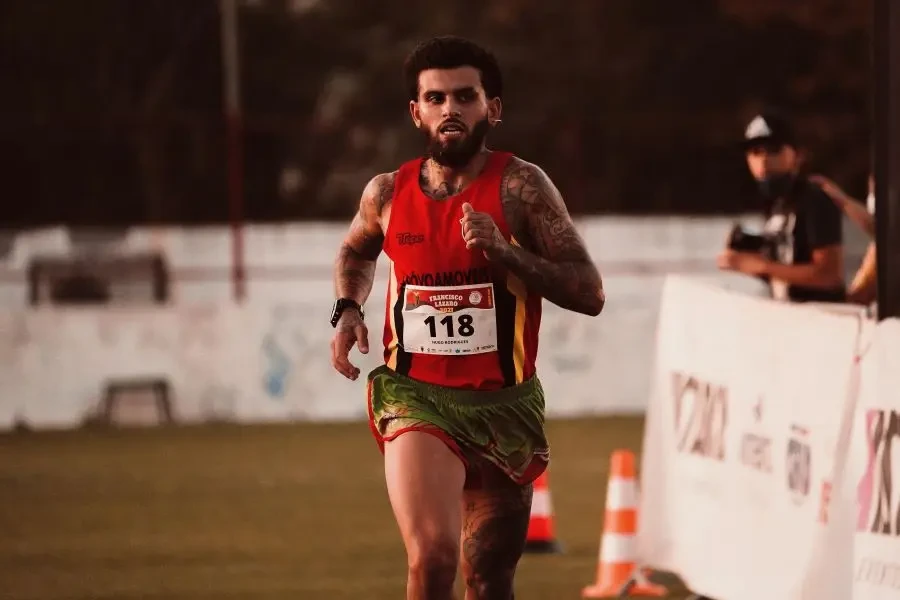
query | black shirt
[803, 220]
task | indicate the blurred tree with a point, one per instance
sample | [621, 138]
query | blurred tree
[111, 110]
[110, 103]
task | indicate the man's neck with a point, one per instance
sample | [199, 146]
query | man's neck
[440, 182]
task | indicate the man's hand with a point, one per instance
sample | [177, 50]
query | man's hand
[480, 231]
[748, 263]
[350, 330]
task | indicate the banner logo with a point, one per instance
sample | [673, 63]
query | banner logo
[882, 430]
[799, 463]
[701, 416]
[756, 447]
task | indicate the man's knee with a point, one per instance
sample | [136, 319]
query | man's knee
[434, 559]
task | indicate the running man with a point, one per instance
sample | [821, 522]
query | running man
[476, 238]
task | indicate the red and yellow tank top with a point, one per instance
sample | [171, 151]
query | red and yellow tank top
[452, 317]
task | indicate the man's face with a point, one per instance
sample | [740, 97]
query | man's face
[453, 114]
[766, 160]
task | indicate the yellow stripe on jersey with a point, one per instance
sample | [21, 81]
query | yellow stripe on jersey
[518, 289]
[392, 300]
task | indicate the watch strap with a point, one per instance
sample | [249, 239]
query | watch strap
[342, 304]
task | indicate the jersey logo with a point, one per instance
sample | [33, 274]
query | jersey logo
[406, 238]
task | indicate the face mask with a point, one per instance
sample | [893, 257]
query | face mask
[775, 186]
[870, 203]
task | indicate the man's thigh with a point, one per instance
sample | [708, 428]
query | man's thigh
[495, 524]
[425, 479]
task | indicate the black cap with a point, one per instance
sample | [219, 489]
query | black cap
[768, 127]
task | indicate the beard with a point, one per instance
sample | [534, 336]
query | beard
[455, 153]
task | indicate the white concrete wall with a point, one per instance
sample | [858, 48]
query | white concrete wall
[279, 338]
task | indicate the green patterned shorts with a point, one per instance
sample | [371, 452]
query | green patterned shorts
[503, 427]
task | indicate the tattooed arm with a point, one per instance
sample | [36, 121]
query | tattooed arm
[551, 258]
[354, 271]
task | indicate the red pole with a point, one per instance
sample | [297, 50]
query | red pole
[234, 141]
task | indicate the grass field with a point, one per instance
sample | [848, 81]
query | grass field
[273, 512]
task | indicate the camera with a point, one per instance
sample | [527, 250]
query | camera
[742, 240]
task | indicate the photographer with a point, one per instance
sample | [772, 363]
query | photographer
[800, 250]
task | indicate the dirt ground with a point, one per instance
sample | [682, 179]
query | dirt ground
[269, 512]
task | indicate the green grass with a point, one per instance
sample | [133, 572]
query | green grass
[293, 511]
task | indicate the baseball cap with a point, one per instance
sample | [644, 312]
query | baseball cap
[768, 127]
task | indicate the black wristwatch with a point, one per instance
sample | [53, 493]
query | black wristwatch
[342, 304]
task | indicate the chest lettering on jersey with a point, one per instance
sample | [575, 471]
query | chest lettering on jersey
[449, 319]
[449, 278]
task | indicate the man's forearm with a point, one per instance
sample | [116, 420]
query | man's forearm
[810, 275]
[571, 285]
[353, 275]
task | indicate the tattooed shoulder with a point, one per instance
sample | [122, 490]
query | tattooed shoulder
[366, 234]
[379, 192]
[521, 190]
[536, 213]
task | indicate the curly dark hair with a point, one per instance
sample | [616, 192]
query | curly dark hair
[451, 52]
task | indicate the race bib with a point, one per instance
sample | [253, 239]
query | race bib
[449, 320]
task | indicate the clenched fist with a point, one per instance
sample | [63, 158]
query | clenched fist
[480, 231]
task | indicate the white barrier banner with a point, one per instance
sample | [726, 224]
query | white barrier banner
[743, 429]
[875, 468]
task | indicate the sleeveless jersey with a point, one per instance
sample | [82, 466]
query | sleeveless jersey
[452, 317]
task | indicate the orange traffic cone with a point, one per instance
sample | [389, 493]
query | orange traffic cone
[617, 569]
[541, 532]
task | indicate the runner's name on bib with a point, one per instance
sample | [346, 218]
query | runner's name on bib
[449, 320]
